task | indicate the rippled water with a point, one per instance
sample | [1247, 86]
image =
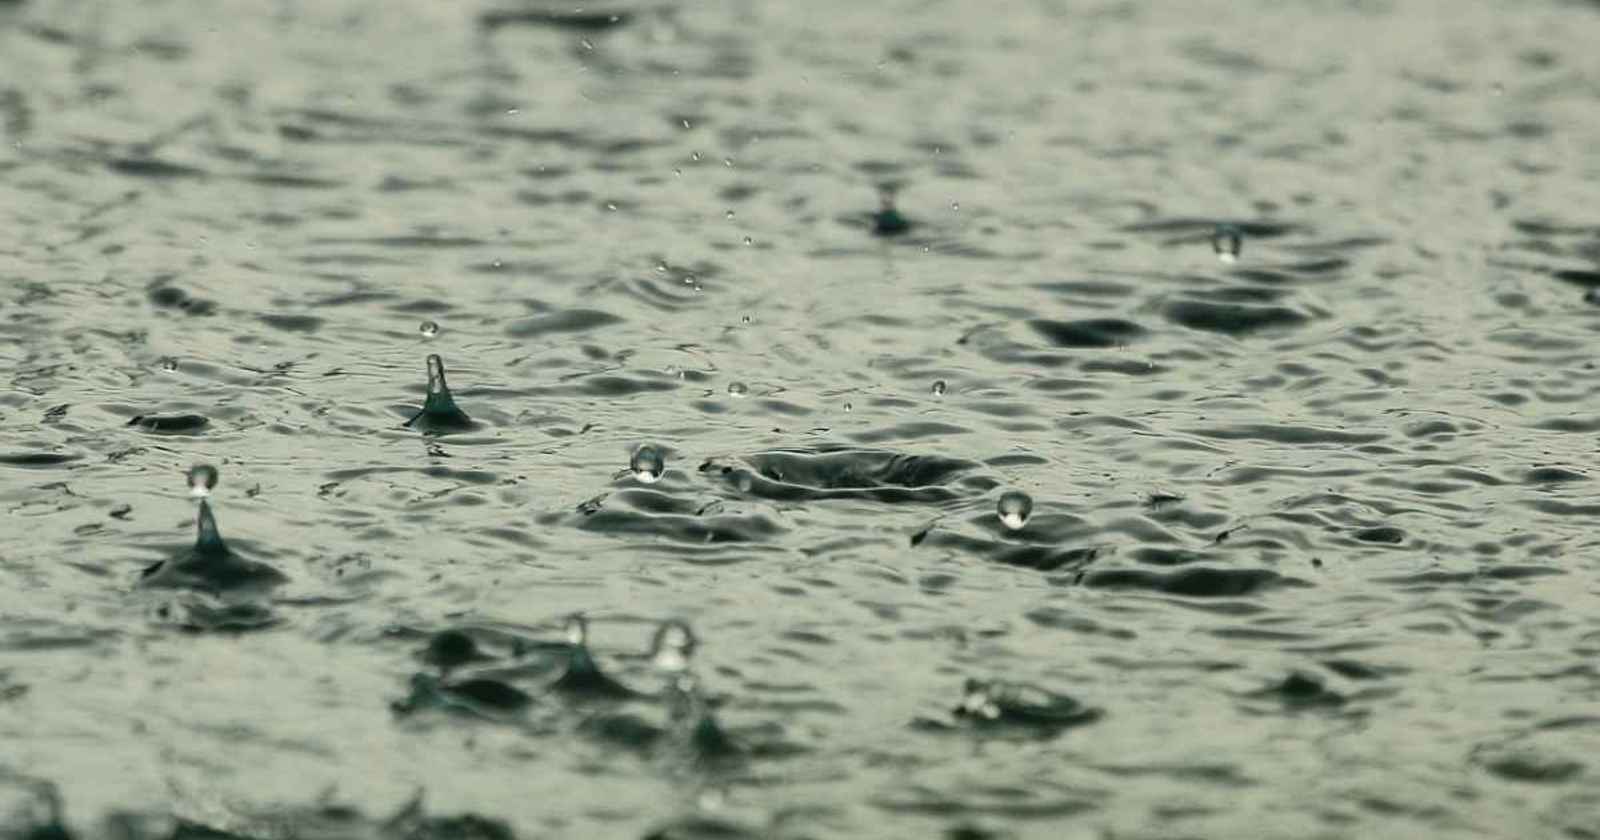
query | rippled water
[1311, 545]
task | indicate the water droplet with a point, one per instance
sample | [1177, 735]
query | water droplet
[672, 647]
[1499, 89]
[848, 408]
[1014, 509]
[577, 630]
[429, 329]
[738, 390]
[745, 319]
[685, 123]
[694, 155]
[678, 172]
[202, 480]
[1227, 241]
[497, 264]
[647, 464]
[728, 162]
[661, 267]
[587, 44]
[939, 388]
[610, 206]
[169, 364]
[749, 241]
[728, 215]
[956, 206]
[511, 112]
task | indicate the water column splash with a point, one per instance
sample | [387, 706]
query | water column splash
[439, 412]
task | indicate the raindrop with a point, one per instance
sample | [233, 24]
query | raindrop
[685, 123]
[429, 329]
[169, 364]
[848, 408]
[611, 206]
[647, 464]
[956, 206]
[587, 44]
[694, 156]
[577, 630]
[728, 215]
[728, 162]
[661, 267]
[1014, 508]
[202, 479]
[749, 241]
[672, 647]
[745, 319]
[738, 390]
[511, 112]
[678, 172]
[1227, 240]
[939, 388]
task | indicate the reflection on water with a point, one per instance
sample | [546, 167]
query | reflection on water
[1216, 404]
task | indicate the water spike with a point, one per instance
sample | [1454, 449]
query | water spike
[439, 411]
[208, 540]
[577, 630]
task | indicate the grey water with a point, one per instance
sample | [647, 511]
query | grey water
[1047, 419]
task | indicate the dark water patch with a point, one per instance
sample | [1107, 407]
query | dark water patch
[1578, 425]
[420, 240]
[293, 323]
[170, 424]
[480, 697]
[692, 529]
[1529, 767]
[1194, 582]
[1286, 434]
[165, 296]
[279, 180]
[37, 460]
[1100, 332]
[1300, 690]
[1552, 475]
[1231, 318]
[573, 320]
[1203, 228]
[1579, 277]
[1089, 289]
[910, 431]
[1383, 535]
[153, 168]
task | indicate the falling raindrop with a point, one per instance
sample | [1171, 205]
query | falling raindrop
[848, 408]
[749, 241]
[939, 388]
[647, 464]
[745, 319]
[738, 390]
[429, 329]
[728, 215]
[169, 364]
[202, 480]
[1014, 509]
[956, 206]
[1227, 241]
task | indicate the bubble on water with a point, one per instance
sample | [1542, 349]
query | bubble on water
[647, 464]
[169, 364]
[738, 390]
[202, 480]
[672, 647]
[1227, 241]
[939, 388]
[429, 329]
[1014, 508]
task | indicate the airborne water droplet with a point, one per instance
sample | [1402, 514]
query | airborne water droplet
[429, 329]
[169, 364]
[738, 390]
[202, 479]
[672, 647]
[1014, 509]
[647, 464]
[749, 241]
[939, 388]
[728, 215]
[1227, 241]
